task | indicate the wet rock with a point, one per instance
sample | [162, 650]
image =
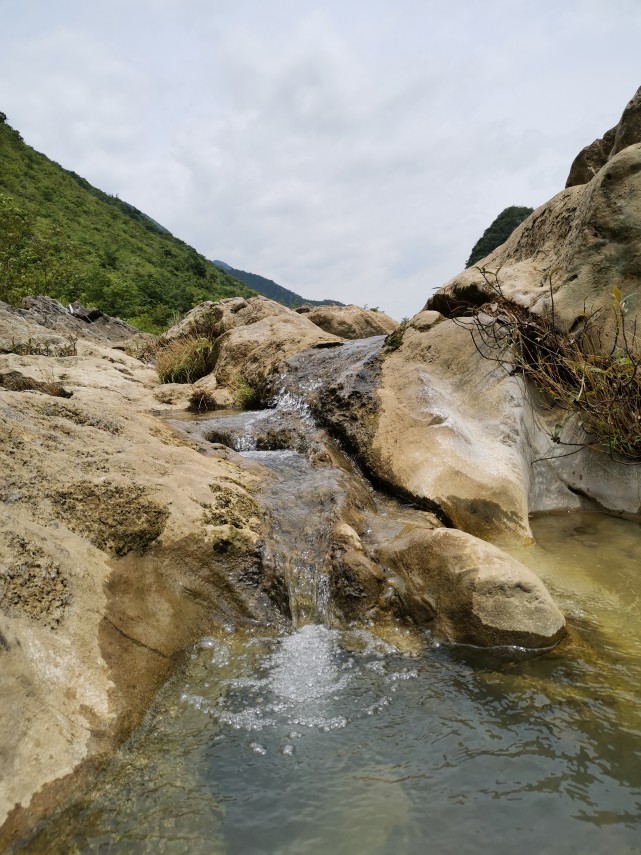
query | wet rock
[350, 322]
[449, 437]
[340, 386]
[255, 351]
[115, 555]
[470, 592]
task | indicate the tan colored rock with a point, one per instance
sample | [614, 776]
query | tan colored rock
[343, 535]
[351, 322]
[74, 321]
[176, 394]
[212, 319]
[255, 351]
[469, 591]
[108, 519]
[591, 159]
[569, 254]
[594, 156]
[448, 432]
[19, 335]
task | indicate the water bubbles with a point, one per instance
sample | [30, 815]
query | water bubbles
[403, 674]
[287, 750]
[257, 748]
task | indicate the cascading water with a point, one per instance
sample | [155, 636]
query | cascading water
[330, 738]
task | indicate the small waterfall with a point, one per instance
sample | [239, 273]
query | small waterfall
[299, 500]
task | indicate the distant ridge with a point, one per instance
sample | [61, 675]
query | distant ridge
[272, 289]
[63, 237]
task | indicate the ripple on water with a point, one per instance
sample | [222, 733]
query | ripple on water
[324, 741]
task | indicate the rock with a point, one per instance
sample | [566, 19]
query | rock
[590, 159]
[89, 315]
[211, 319]
[51, 314]
[175, 394]
[255, 351]
[567, 259]
[449, 437]
[568, 255]
[427, 427]
[120, 544]
[470, 592]
[351, 322]
[19, 335]
[594, 156]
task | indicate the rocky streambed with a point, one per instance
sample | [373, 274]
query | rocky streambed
[343, 726]
[339, 585]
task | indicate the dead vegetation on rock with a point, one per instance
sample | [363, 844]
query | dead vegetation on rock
[578, 372]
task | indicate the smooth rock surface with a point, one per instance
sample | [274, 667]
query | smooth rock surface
[350, 322]
[474, 592]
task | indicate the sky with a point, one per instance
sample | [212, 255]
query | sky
[348, 149]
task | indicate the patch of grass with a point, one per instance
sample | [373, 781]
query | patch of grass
[247, 397]
[185, 360]
[202, 400]
[40, 348]
[394, 340]
[14, 381]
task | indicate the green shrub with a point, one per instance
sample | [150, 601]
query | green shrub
[247, 397]
[394, 340]
[185, 360]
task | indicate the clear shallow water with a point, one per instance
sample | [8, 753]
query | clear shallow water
[327, 741]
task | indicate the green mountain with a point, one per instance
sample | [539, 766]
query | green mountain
[498, 232]
[271, 289]
[63, 237]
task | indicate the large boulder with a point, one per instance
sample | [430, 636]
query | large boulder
[75, 321]
[594, 156]
[120, 544]
[351, 322]
[452, 437]
[470, 592]
[213, 318]
[254, 351]
[566, 259]
[438, 416]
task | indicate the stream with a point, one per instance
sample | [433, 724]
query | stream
[349, 740]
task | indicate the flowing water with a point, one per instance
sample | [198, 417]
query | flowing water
[340, 741]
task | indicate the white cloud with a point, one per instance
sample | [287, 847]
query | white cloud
[353, 149]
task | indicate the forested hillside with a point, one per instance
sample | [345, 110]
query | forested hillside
[498, 232]
[272, 289]
[61, 236]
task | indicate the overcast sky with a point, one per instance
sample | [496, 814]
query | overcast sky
[351, 149]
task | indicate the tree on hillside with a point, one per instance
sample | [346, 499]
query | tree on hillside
[35, 256]
[498, 232]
